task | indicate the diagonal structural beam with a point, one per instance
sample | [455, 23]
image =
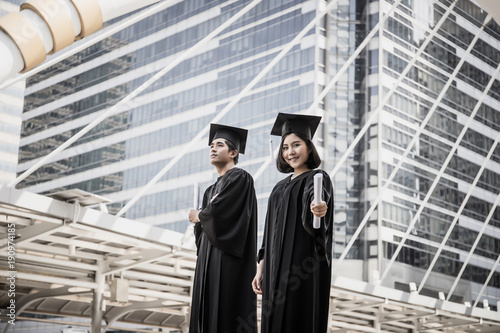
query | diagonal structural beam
[448, 158]
[144, 257]
[228, 107]
[372, 119]
[129, 98]
[89, 41]
[46, 27]
[33, 232]
[50, 279]
[471, 252]
[492, 271]
[333, 82]
[471, 189]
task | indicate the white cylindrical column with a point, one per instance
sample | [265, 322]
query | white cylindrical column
[47, 26]
[25, 33]
[12, 60]
[54, 17]
[90, 17]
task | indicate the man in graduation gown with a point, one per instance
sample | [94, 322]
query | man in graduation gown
[226, 235]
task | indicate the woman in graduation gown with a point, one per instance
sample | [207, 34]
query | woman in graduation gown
[294, 270]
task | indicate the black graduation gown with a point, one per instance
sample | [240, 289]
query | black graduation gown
[297, 258]
[223, 300]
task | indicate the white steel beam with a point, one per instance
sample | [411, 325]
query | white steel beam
[146, 256]
[26, 300]
[32, 232]
[450, 155]
[129, 98]
[91, 40]
[46, 27]
[409, 301]
[51, 279]
[492, 271]
[372, 119]
[228, 107]
[164, 243]
[175, 281]
[469, 192]
[55, 263]
[330, 85]
[117, 313]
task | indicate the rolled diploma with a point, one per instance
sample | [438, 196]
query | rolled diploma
[318, 188]
[188, 240]
[196, 199]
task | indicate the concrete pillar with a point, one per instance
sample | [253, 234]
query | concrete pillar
[97, 304]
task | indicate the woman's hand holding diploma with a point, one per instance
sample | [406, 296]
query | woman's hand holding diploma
[318, 207]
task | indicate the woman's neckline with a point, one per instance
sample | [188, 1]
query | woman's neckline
[292, 177]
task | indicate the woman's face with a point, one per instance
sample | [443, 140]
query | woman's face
[295, 152]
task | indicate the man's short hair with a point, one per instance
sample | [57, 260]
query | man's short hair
[232, 147]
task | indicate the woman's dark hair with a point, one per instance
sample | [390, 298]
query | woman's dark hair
[232, 147]
[312, 162]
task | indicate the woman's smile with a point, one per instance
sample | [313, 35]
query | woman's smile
[296, 153]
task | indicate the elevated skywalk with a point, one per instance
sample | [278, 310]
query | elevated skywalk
[70, 261]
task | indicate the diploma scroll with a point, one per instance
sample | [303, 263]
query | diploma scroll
[196, 199]
[318, 189]
[188, 240]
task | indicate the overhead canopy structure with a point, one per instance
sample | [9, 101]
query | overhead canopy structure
[358, 306]
[70, 261]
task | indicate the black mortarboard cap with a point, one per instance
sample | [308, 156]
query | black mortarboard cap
[295, 123]
[238, 136]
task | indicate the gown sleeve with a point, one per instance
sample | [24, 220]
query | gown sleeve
[323, 235]
[197, 226]
[226, 217]
[262, 250]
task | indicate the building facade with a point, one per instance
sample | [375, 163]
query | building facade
[417, 120]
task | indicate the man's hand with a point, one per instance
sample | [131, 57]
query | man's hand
[193, 216]
[257, 280]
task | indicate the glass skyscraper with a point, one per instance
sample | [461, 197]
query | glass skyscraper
[418, 124]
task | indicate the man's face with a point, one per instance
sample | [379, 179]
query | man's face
[219, 152]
